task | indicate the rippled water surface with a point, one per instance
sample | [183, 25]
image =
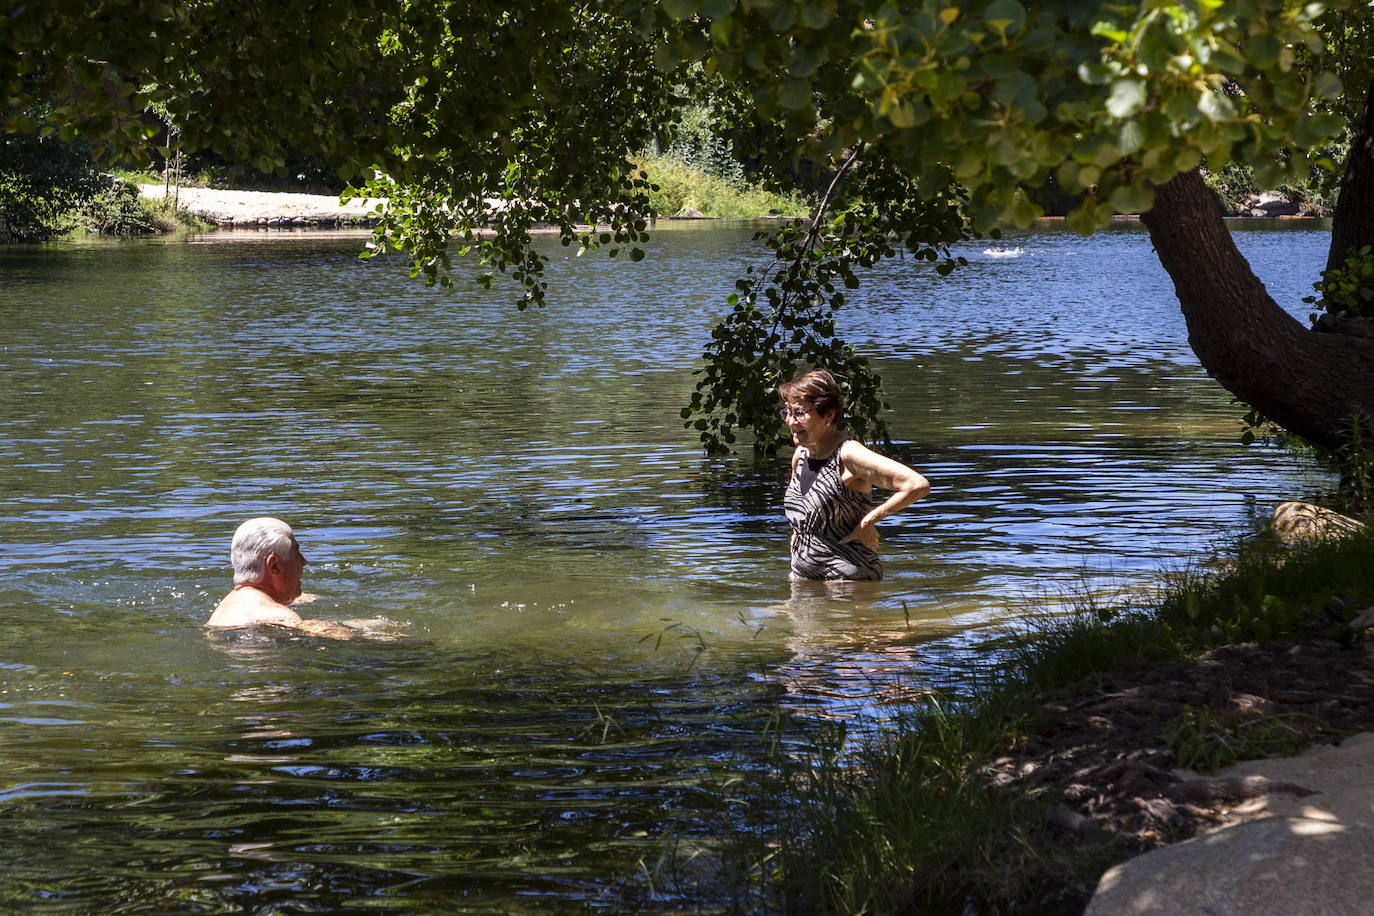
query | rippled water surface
[602, 629]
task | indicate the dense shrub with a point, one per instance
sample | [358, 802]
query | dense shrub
[42, 180]
[682, 187]
[118, 210]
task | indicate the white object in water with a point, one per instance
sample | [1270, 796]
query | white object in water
[1003, 252]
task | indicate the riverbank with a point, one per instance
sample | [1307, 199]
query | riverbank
[678, 191]
[230, 209]
[1237, 704]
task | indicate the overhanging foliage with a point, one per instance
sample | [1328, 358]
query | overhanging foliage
[475, 121]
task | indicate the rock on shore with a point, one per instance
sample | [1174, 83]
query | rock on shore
[1289, 855]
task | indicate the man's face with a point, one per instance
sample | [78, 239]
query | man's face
[287, 570]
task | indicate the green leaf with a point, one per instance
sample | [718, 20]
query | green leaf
[1016, 91]
[1328, 85]
[1110, 32]
[679, 9]
[667, 55]
[1021, 213]
[1187, 159]
[817, 15]
[1005, 17]
[802, 60]
[1131, 138]
[1132, 199]
[795, 94]
[901, 115]
[784, 17]
[715, 9]
[1216, 106]
[1263, 50]
[1127, 98]
[1095, 73]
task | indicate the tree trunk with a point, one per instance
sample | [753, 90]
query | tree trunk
[1310, 383]
[1353, 225]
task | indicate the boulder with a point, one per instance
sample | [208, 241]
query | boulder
[1281, 853]
[1298, 523]
[1291, 866]
[1271, 203]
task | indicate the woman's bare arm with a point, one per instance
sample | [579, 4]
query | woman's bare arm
[868, 468]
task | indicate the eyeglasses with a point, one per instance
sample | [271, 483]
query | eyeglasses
[801, 413]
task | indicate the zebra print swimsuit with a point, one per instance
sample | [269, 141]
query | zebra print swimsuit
[820, 516]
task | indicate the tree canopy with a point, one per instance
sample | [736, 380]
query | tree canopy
[476, 120]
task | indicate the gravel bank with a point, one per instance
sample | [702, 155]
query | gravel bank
[267, 208]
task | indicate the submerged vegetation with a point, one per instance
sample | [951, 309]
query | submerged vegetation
[949, 810]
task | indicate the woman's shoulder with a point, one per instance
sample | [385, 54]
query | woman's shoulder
[851, 447]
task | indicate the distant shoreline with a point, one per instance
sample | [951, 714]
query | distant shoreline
[288, 210]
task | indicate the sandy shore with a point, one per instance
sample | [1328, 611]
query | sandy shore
[267, 208]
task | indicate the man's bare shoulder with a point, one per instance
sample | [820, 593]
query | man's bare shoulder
[249, 607]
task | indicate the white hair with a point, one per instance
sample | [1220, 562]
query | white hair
[255, 541]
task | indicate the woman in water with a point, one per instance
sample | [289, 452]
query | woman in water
[829, 502]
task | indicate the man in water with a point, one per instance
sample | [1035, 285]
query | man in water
[267, 579]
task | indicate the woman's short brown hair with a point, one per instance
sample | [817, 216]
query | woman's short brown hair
[817, 389]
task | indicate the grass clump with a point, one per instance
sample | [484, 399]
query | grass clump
[682, 186]
[1206, 740]
[1265, 591]
[908, 822]
[1051, 651]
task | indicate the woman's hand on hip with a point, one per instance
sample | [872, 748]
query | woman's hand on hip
[865, 533]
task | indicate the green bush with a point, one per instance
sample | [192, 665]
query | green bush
[1348, 289]
[42, 179]
[681, 185]
[119, 210]
[699, 142]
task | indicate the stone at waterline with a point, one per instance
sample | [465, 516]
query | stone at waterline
[1297, 523]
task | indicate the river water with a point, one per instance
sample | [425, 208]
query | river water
[603, 637]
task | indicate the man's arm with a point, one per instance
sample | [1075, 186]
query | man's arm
[328, 629]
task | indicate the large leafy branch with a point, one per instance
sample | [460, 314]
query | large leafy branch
[568, 92]
[783, 316]
[1109, 100]
[479, 120]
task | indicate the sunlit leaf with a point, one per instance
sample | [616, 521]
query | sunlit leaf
[1127, 98]
[1216, 106]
